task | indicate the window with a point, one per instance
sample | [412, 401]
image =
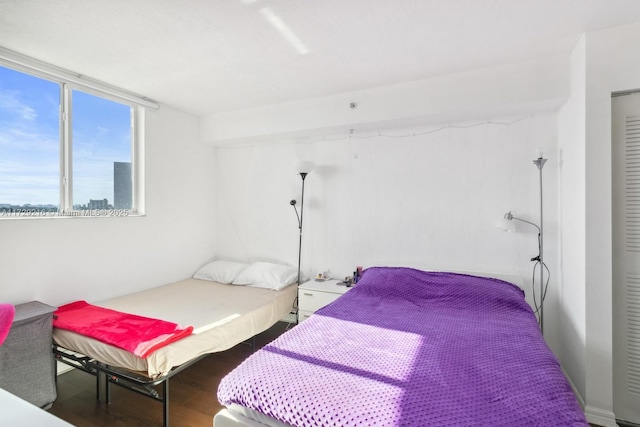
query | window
[65, 150]
[102, 138]
[29, 142]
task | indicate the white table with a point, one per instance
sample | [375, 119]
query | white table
[16, 412]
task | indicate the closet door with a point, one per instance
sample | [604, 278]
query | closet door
[625, 123]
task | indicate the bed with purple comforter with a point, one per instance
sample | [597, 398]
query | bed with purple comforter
[411, 348]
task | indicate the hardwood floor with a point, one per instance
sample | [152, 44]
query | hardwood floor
[193, 401]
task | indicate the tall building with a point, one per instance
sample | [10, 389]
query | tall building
[98, 204]
[122, 196]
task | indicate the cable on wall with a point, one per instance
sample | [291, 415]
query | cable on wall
[351, 134]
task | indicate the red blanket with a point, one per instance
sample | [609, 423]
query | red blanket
[137, 334]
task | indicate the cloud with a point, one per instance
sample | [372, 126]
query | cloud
[10, 102]
[29, 158]
[16, 139]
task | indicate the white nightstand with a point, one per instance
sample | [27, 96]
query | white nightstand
[313, 295]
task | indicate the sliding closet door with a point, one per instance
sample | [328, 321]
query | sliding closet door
[625, 121]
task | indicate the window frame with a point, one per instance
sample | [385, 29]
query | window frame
[68, 82]
[66, 149]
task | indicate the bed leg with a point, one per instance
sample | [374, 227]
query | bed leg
[98, 394]
[107, 389]
[165, 402]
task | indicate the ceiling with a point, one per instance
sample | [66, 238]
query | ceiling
[211, 56]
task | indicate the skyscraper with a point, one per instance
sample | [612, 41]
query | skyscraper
[98, 204]
[122, 197]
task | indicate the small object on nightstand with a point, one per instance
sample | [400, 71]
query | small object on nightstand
[348, 282]
[357, 274]
[322, 276]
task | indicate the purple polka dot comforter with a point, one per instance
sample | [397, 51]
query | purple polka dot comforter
[411, 348]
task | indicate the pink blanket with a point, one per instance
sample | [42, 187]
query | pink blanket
[137, 334]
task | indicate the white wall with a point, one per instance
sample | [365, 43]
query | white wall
[612, 64]
[430, 200]
[603, 62]
[571, 136]
[62, 259]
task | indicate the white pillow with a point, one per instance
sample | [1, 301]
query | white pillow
[267, 275]
[220, 271]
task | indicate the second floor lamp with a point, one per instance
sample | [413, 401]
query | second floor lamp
[303, 168]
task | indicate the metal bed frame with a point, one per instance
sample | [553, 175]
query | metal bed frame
[134, 381]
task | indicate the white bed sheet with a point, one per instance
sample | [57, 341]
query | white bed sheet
[222, 316]
[239, 416]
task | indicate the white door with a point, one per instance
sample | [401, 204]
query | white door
[625, 123]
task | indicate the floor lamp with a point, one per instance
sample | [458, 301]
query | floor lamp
[507, 226]
[303, 168]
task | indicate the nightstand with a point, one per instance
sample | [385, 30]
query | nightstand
[314, 295]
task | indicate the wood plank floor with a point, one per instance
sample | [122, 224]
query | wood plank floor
[193, 401]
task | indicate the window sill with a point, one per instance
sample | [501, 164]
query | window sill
[90, 213]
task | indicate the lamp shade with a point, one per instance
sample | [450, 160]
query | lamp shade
[304, 166]
[505, 224]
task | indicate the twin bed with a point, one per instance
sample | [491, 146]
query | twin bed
[221, 314]
[403, 347]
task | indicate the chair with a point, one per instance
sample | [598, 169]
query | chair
[7, 311]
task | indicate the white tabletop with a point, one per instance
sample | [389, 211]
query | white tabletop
[16, 412]
[330, 285]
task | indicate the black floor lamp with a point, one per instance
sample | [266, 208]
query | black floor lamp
[539, 162]
[303, 168]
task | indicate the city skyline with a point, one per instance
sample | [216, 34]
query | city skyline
[90, 204]
[122, 193]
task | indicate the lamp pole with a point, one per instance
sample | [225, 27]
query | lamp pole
[539, 162]
[303, 167]
[303, 175]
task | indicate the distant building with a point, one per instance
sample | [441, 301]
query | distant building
[98, 204]
[122, 185]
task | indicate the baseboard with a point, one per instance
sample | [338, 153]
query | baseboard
[289, 318]
[575, 390]
[61, 368]
[600, 417]
[595, 416]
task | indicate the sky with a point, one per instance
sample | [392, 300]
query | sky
[30, 141]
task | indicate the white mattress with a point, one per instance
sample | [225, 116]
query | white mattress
[255, 415]
[221, 315]
[239, 416]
